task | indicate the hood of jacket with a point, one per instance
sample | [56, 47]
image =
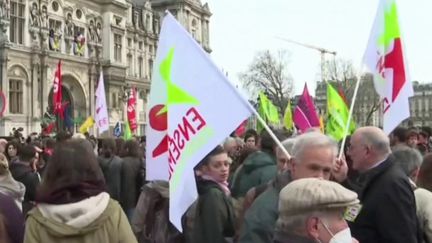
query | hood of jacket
[257, 160]
[75, 218]
[11, 187]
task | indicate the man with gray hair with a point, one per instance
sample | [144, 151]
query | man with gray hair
[313, 154]
[312, 210]
[410, 160]
[388, 212]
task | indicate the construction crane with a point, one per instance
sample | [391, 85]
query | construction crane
[321, 50]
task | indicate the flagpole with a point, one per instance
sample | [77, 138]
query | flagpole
[348, 125]
[267, 128]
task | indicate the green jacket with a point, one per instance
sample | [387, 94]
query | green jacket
[258, 168]
[214, 217]
[260, 219]
[111, 226]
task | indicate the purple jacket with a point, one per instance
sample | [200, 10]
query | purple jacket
[14, 220]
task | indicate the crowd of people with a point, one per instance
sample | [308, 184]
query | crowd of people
[82, 189]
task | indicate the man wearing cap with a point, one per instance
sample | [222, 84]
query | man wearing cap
[313, 155]
[388, 210]
[312, 210]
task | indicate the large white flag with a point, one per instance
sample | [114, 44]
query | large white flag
[101, 116]
[385, 58]
[192, 109]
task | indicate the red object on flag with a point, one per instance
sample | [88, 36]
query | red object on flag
[242, 128]
[131, 111]
[57, 92]
[342, 95]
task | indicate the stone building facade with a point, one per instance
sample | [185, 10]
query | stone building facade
[118, 37]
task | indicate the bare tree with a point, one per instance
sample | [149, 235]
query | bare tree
[268, 73]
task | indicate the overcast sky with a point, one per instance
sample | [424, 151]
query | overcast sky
[240, 28]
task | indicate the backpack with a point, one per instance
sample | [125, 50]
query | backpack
[157, 226]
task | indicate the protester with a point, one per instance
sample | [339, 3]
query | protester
[313, 155]
[412, 138]
[282, 166]
[12, 151]
[8, 185]
[119, 143]
[399, 136]
[231, 147]
[111, 166]
[388, 212]
[11, 221]
[236, 165]
[150, 222]
[251, 139]
[214, 215]
[24, 170]
[410, 160]
[3, 143]
[312, 210]
[131, 177]
[424, 179]
[71, 203]
[258, 168]
[423, 142]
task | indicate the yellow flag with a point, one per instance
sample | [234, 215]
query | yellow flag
[322, 124]
[288, 121]
[89, 122]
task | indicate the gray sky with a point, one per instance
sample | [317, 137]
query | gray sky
[240, 28]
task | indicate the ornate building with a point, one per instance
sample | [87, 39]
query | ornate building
[118, 37]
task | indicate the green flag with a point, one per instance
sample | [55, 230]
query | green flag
[337, 115]
[127, 132]
[288, 120]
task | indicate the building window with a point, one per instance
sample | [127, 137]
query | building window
[140, 67]
[17, 20]
[117, 47]
[129, 63]
[129, 42]
[140, 45]
[150, 65]
[15, 96]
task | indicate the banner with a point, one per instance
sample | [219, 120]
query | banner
[385, 58]
[188, 115]
[57, 92]
[101, 117]
[131, 111]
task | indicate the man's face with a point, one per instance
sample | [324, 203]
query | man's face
[330, 225]
[357, 151]
[282, 160]
[231, 148]
[315, 162]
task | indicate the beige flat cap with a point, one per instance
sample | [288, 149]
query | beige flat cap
[309, 194]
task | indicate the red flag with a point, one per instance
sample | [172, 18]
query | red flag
[242, 128]
[57, 92]
[131, 111]
[342, 95]
[305, 115]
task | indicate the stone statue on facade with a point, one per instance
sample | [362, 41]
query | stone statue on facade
[4, 9]
[136, 19]
[44, 17]
[34, 16]
[99, 33]
[69, 26]
[91, 32]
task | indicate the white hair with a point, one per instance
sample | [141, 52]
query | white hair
[409, 159]
[310, 140]
[288, 144]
